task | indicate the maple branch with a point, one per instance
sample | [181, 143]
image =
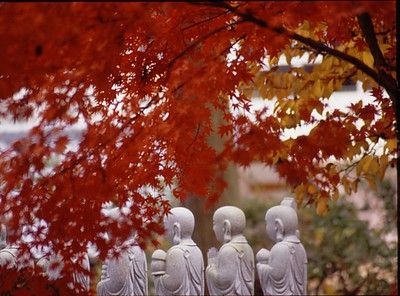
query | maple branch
[390, 84]
[195, 136]
[381, 77]
[367, 28]
[386, 81]
[198, 41]
[225, 50]
[204, 21]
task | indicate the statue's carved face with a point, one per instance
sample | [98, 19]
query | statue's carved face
[3, 237]
[3, 244]
[169, 229]
[218, 227]
[271, 229]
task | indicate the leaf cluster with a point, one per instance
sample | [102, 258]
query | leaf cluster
[142, 82]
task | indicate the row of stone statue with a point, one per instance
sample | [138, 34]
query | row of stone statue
[229, 271]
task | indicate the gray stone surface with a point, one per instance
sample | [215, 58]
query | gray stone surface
[180, 270]
[230, 271]
[125, 275]
[80, 280]
[8, 254]
[283, 269]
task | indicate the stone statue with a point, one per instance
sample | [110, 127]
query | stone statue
[125, 275]
[290, 202]
[179, 271]
[83, 279]
[8, 255]
[80, 279]
[283, 270]
[230, 270]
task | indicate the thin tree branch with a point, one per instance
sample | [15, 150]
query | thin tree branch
[197, 42]
[386, 81]
[203, 21]
[367, 28]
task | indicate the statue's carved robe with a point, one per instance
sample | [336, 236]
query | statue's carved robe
[126, 275]
[242, 260]
[184, 272]
[83, 279]
[8, 257]
[286, 272]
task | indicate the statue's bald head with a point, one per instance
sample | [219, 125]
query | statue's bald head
[236, 218]
[179, 216]
[286, 216]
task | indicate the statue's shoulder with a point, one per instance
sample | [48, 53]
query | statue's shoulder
[229, 248]
[177, 254]
[7, 257]
[8, 252]
[176, 250]
[135, 249]
[137, 254]
[281, 248]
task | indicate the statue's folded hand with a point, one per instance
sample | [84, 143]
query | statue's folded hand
[104, 274]
[212, 255]
[262, 256]
[158, 262]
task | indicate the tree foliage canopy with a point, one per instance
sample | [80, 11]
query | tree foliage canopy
[144, 80]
